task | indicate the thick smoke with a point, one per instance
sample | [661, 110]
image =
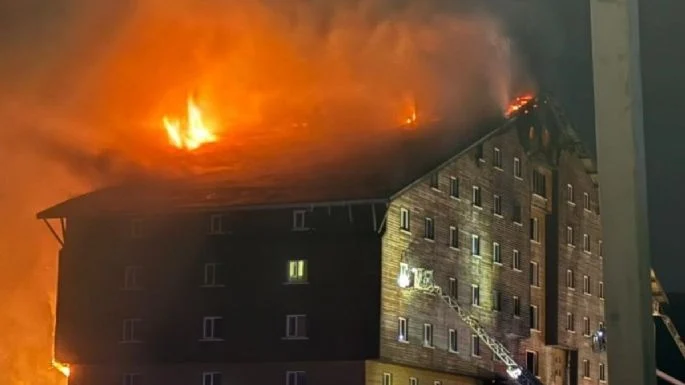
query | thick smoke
[84, 85]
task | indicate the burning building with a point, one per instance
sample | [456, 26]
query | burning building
[321, 278]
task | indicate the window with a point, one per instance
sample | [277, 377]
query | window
[602, 372]
[428, 335]
[517, 306]
[475, 245]
[534, 230]
[475, 295]
[454, 237]
[137, 228]
[131, 379]
[570, 279]
[516, 260]
[586, 285]
[435, 180]
[132, 277]
[569, 193]
[299, 219]
[496, 253]
[517, 167]
[586, 201]
[586, 326]
[453, 345]
[601, 290]
[534, 275]
[539, 184]
[131, 330]
[429, 229]
[216, 224]
[454, 187]
[532, 362]
[479, 153]
[212, 275]
[475, 345]
[402, 331]
[212, 328]
[295, 378]
[497, 205]
[570, 322]
[387, 379]
[497, 158]
[211, 378]
[569, 235]
[296, 326]
[496, 300]
[437, 382]
[586, 243]
[297, 271]
[586, 368]
[453, 288]
[476, 198]
[534, 318]
[600, 249]
[413, 381]
[517, 213]
[404, 219]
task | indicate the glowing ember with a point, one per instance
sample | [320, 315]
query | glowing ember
[194, 134]
[412, 118]
[517, 104]
[63, 368]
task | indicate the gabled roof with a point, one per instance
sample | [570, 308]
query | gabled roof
[374, 175]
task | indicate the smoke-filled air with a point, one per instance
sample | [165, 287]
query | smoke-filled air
[92, 92]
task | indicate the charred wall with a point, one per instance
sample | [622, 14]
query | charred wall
[252, 250]
[474, 168]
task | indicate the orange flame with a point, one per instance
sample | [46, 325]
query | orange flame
[194, 134]
[63, 368]
[517, 104]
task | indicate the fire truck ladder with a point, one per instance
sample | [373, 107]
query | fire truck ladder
[423, 281]
[658, 300]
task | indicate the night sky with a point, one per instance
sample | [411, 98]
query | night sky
[663, 68]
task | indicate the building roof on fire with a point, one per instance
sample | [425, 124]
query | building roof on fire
[372, 177]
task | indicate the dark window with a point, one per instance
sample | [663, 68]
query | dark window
[475, 245]
[299, 219]
[539, 184]
[517, 213]
[211, 378]
[496, 253]
[517, 306]
[534, 276]
[454, 187]
[404, 219]
[131, 330]
[476, 198]
[435, 180]
[475, 345]
[295, 378]
[497, 157]
[534, 230]
[475, 295]
[429, 231]
[428, 335]
[532, 362]
[216, 224]
[453, 288]
[212, 274]
[212, 328]
[496, 300]
[517, 167]
[132, 379]
[534, 318]
[497, 205]
[296, 326]
[454, 237]
[453, 341]
[132, 278]
[479, 152]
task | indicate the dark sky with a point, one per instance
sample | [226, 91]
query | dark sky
[663, 71]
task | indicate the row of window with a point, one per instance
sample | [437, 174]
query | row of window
[587, 284]
[571, 198]
[216, 378]
[587, 242]
[587, 373]
[214, 274]
[452, 340]
[213, 328]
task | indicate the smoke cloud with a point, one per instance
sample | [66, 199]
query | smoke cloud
[84, 85]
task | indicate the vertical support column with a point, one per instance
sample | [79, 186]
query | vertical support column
[621, 156]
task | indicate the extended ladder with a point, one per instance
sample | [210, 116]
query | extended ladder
[423, 281]
[658, 300]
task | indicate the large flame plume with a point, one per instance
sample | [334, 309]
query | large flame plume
[193, 134]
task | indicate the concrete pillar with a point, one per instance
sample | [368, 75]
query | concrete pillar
[623, 196]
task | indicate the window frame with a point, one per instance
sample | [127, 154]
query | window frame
[454, 187]
[475, 295]
[130, 330]
[428, 341]
[295, 377]
[497, 205]
[517, 168]
[452, 340]
[497, 158]
[297, 321]
[475, 245]
[477, 197]
[496, 253]
[534, 274]
[297, 272]
[402, 330]
[210, 378]
[405, 219]
[428, 229]
[297, 215]
[211, 333]
[516, 260]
